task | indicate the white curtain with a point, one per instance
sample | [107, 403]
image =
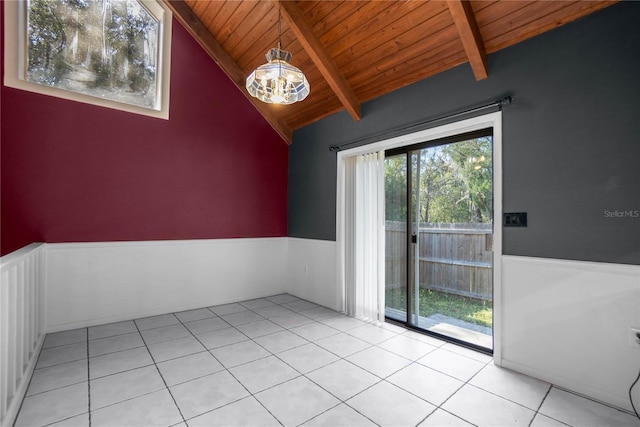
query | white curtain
[364, 236]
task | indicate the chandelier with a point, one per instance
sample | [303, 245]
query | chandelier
[277, 81]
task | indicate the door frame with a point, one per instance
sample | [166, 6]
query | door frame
[491, 120]
[412, 266]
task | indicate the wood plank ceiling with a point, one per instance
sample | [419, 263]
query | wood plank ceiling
[355, 50]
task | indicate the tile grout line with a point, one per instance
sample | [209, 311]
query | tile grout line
[55, 388]
[450, 396]
[381, 379]
[540, 406]
[535, 411]
[535, 415]
[52, 348]
[340, 358]
[280, 359]
[88, 381]
[257, 343]
[436, 407]
[227, 370]
[591, 399]
[67, 385]
[304, 375]
[28, 386]
[312, 321]
[289, 329]
[468, 382]
[62, 345]
[390, 383]
[344, 358]
[377, 345]
[160, 373]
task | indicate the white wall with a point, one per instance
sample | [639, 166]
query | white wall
[22, 325]
[311, 272]
[95, 283]
[567, 322]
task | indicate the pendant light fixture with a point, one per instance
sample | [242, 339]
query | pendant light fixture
[277, 81]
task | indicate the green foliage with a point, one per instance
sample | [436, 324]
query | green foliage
[137, 80]
[472, 162]
[455, 183]
[395, 182]
[78, 4]
[102, 70]
[96, 43]
[470, 310]
[46, 41]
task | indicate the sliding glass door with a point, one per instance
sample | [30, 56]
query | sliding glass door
[439, 234]
[395, 190]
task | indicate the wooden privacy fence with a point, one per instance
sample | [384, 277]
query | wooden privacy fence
[454, 258]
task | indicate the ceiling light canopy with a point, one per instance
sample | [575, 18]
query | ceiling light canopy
[277, 81]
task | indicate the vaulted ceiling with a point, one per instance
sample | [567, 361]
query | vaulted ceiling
[355, 50]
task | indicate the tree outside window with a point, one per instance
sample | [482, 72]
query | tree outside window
[455, 183]
[103, 48]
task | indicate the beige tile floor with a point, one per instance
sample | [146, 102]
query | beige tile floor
[283, 361]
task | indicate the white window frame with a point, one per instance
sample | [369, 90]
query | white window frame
[491, 120]
[15, 61]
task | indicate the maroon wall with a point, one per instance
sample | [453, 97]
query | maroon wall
[73, 172]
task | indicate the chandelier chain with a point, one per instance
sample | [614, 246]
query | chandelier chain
[277, 81]
[279, 25]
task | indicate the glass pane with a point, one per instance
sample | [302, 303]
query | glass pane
[102, 48]
[452, 210]
[395, 237]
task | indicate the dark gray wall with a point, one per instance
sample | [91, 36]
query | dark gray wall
[571, 140]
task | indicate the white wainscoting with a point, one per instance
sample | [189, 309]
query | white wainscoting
[567, 322]
[22, 325]
[311, 272]
[95, 283]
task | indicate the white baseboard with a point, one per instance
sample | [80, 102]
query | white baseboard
[96, 283]
[567, 322]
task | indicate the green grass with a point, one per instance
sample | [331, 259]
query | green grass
[471, 310]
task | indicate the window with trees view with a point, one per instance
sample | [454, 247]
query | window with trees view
[105, 49]
[456, 184]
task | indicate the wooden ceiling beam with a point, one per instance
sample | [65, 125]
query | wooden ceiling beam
[469, 33]
[320, 57]
[183, 13]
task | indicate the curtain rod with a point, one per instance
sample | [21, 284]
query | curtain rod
[403, 130]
